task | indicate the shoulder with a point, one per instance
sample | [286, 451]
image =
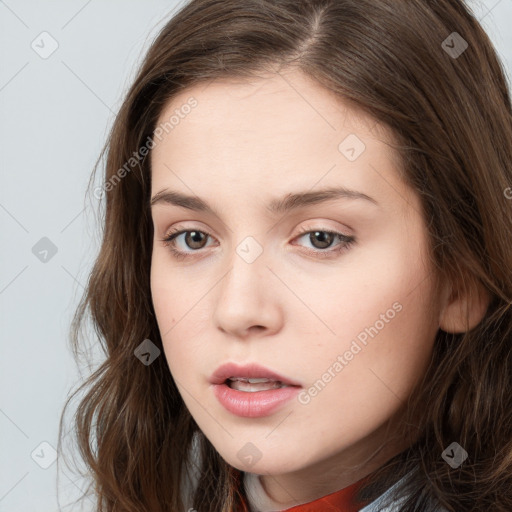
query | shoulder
[387, 502]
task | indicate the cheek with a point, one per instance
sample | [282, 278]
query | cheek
[172, 292]
[167, 308]
[362, 376]
[383, 275]
[377, 312]
[180, 309]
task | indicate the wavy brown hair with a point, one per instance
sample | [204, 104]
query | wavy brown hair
[451, 118]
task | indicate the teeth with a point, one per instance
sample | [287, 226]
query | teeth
[252, 381]
[253, 385]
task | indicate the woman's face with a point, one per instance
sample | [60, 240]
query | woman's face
[351, 321]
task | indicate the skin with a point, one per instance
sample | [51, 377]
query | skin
[293, 312]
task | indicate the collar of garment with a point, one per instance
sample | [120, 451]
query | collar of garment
[339, 501]
[260, 501]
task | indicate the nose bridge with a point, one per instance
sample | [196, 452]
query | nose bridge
[245, 299]
[247, 269]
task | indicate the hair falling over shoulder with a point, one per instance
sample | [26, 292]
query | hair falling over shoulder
[452, 122]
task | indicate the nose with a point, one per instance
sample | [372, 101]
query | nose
[247, 303]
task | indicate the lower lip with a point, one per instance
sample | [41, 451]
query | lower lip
[253, 405]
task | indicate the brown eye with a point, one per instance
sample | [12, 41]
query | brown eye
[192, 240]
[186, 243]
[325, 239]
[323, 242]
[195, 239]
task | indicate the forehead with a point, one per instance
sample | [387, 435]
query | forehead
[273, 102]
[272, 131]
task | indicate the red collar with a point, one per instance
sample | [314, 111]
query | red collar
[338, 501]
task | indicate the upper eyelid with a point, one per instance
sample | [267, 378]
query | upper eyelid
[311, 226]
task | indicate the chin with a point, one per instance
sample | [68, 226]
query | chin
[276, 464]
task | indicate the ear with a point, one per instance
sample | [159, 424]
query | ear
[464, 307]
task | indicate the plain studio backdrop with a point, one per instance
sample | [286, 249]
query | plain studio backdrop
[65, 66]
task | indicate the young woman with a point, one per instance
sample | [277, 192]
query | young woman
[304, 285]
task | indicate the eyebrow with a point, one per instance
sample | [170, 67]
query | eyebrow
[287, 203]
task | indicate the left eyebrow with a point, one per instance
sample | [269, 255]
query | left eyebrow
[287, 203]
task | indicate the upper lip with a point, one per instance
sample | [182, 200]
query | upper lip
[250, 371]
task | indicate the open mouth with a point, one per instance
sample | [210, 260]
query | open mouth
[254, 385]
[255, 396]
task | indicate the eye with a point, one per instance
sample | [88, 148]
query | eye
[194, 239]
[324, 238]
[320, 239]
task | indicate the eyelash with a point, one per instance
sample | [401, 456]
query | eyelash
[347, 242]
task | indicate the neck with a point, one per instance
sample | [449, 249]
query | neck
[327, 476]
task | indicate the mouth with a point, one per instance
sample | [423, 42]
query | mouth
[252, 390]
[254, 385]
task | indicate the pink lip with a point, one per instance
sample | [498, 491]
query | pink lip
[253, 405]
[246, 404]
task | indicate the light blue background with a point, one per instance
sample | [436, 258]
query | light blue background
[54, 118]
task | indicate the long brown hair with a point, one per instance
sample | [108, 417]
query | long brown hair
[451, 116]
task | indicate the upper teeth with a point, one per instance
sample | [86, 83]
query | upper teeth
[252, 381]
[253, 385]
